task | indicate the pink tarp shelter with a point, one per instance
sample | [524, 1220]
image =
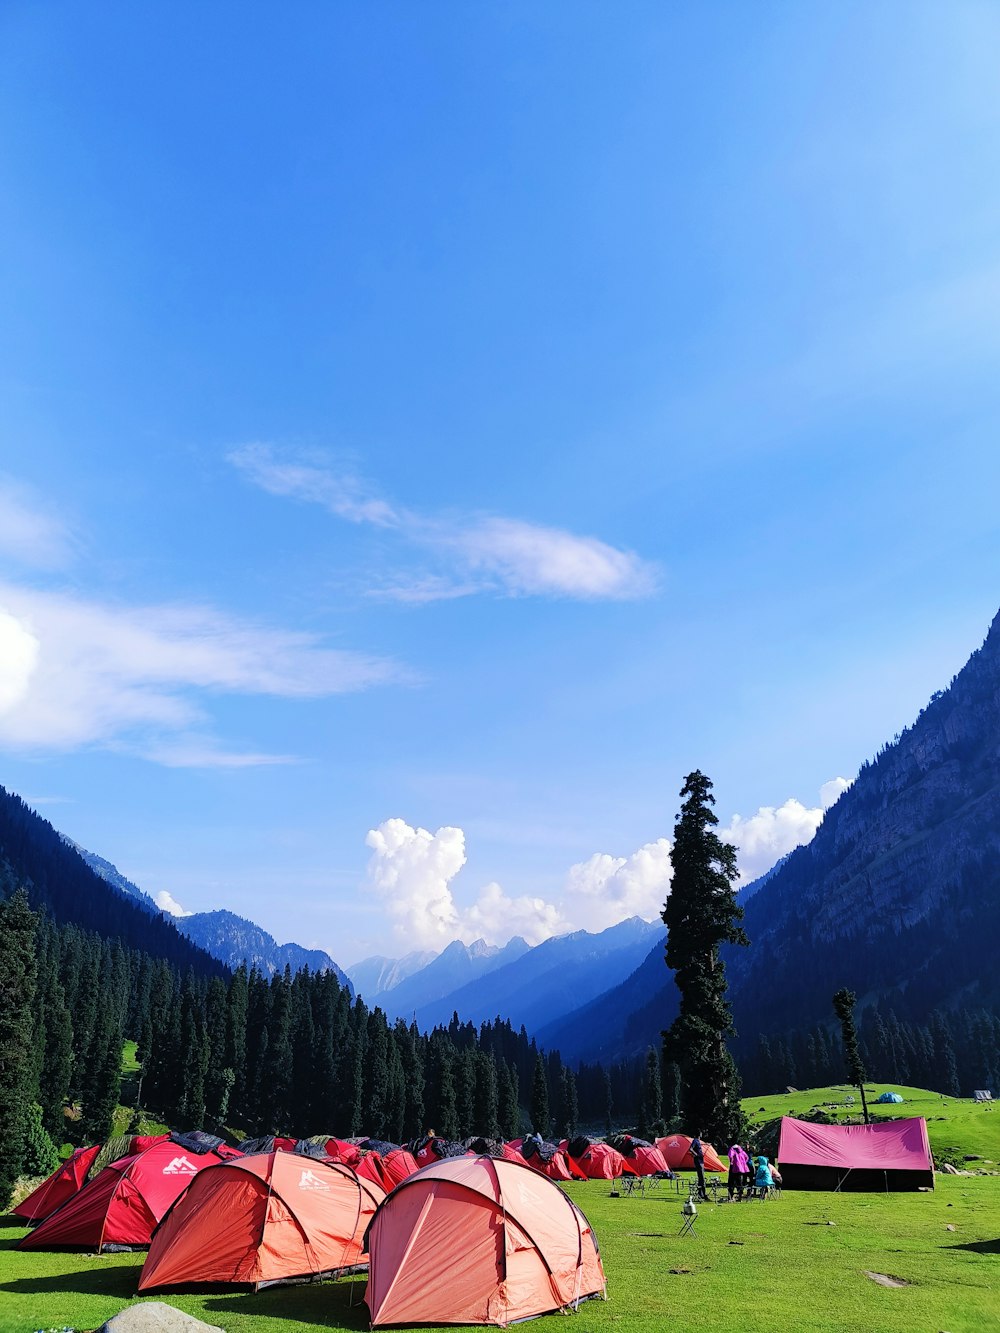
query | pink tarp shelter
[886, 1155]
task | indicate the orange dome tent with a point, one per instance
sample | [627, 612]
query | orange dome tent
[676, 1150]
[273, 1217]
[478, 1240]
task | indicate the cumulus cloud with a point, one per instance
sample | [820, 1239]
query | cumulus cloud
[497, 918]
[764, 838]
[167, 903]
[411, 870]
[607, 889]
[481, 553]
[80, 672]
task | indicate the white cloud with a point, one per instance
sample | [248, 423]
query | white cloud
[496, 918]
[831, 791]
[764, 838]
[412, 870]
[306, 479]
[166, 903]
[83, 673]
[607, 889]
[482, 553]
[29, 534]
[525, 558]
[18, 659]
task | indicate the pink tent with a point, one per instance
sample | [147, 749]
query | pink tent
[887, 1155]
[478, 1240]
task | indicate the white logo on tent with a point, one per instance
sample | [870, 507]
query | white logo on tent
[180, 1166]
[310, 1181]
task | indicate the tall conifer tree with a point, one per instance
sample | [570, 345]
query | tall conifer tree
[701, 914]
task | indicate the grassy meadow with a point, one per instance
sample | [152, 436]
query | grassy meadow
[750, 1266]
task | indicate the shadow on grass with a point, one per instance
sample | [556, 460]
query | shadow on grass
[119, 1281]
[326, 1304]
[979, 1246]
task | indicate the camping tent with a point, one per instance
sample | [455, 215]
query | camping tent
[885, 1155]
[889, 1097]
[982, 1095]
[63, 1183]
[676, 1150]
[645, 1160]
[549, 1159]
[478, 1240]
[272, 1217]
[599, 1161]
[124, 1202]
[71, 1176]
[387, 1170]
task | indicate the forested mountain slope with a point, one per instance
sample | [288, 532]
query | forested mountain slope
[34, 856]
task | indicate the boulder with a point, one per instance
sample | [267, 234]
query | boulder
[155, 1317]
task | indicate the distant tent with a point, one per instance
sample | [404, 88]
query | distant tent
[387, 1171]
[478, 1240]
[982, 1095]
[889, 1097]
[83, 1165]
[122, 1205]
[339, 1150]
[676, 1150]
[644, 1159]
[549, 1159]
[885, 1155]
[599, 1161]
[433, 1149]
[272, 1217]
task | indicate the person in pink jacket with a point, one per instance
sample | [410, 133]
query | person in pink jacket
[739, 1171]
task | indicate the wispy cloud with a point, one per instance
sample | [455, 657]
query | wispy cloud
[31, 534]
[480, 553]
[166, 902]
[76, 673]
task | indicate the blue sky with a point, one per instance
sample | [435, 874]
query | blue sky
[428, 432]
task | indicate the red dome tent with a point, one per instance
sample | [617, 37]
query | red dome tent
[886, 1155]
[71, 1176]
[602, 1162]
[64, 1182]
[646, 1160]
[676, 1150]
[557, 1164]
[124, 1202]
[389, 1170]
[478, 1240]
[273, 1217]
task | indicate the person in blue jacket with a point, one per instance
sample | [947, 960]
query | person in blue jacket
[763, 1180]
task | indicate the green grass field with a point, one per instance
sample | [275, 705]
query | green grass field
[752, 1266]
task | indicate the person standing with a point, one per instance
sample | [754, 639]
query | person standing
[697, 1152]
[739, 1171]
